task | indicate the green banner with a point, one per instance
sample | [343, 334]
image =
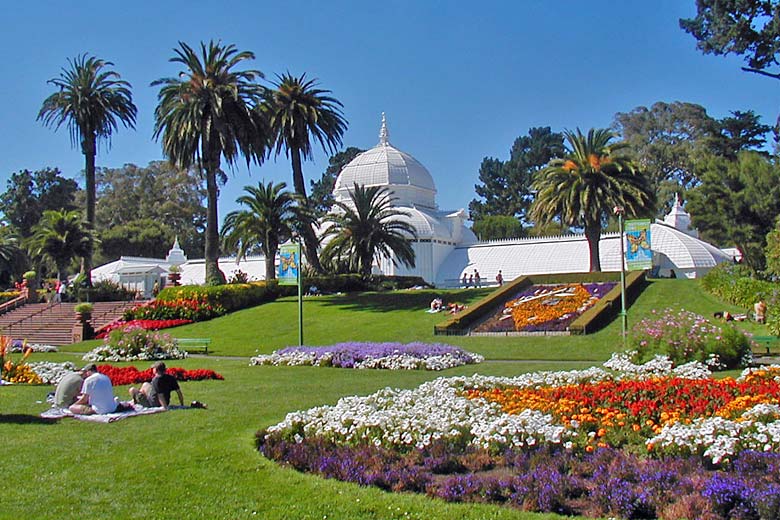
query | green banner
[639, 256]
[289, 264]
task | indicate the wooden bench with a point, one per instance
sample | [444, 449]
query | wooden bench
[766, 342]
[195, 344]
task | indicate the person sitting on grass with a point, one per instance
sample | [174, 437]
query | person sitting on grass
[436, 305]
[68, 389]
[158, 392]
[97, 394]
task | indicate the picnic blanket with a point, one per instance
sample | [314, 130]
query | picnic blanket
[59, 413]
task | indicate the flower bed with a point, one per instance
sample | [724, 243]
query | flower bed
[19, 346]
[195, 308]
[623, 425]
[49, 372]
[685, 336]
[390, 356]
[131, 375]
[135, 344]
[545, 307]
[105, 330]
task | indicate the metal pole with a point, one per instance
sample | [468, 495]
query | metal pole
[300, 295]
[623, 315]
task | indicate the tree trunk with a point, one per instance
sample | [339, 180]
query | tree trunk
[214, 276]
[270, 263]
[310, 242]
[90, 150]
[593, 234]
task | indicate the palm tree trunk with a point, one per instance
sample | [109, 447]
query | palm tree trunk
[214, 276]
[593, 235]
[310, 242]
[270, 262]
[90, 150]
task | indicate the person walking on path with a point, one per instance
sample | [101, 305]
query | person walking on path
[500, 278]
[477, 279]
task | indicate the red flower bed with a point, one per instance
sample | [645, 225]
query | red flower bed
[105, 330]
[131, 375]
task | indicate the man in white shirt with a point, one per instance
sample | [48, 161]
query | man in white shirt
[97, 394]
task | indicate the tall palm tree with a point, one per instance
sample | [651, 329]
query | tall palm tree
[92, 100]
[584, 186]
[270, 218]
[60, 236]
[206, 113]
[298, 112]
[368, 227]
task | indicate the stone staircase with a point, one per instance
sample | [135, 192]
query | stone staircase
[52, 323]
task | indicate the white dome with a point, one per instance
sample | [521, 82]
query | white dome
[384, 165]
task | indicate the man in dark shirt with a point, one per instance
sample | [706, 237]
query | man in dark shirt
[158, 392]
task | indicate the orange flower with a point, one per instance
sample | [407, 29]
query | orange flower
[569, 166]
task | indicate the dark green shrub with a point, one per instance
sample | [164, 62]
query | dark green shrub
[104, 291]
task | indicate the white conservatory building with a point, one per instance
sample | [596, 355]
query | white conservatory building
[445, 248]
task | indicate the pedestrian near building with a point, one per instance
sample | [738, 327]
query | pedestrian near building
[500, 278]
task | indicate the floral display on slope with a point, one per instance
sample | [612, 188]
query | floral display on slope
[104, 331]
[389, 356]
[546, 307]
[679, 415]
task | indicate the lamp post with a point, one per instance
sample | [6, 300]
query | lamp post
[620, 211]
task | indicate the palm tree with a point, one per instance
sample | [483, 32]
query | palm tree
[298, 111]
[366, 228]
[60, 236]
[270, 218]
[92, 100]
[205, 114]
[584, 186]
[11, 255]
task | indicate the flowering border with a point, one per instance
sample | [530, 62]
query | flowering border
[389, 356]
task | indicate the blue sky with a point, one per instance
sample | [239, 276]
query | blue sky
[458, 80]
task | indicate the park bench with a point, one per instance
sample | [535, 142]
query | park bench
[195, 344]
[766, 344]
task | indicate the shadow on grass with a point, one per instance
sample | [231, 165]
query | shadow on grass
[19, 418]
[401, 300]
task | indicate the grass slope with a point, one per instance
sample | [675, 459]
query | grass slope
[202, 463]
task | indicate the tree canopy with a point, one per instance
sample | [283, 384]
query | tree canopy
[206, 114]
[92, 100]
[505, 187]
[497, 227]
[300, 113]
[737, 203]
[172, 197]
[368, 227]
[29, 194]
[321, 196]
[582, 188]
[748, 28]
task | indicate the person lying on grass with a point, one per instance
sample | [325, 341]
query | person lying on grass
[158, 392]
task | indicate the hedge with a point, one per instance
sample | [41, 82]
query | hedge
[231, 297]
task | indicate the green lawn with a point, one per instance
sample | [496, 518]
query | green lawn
[202, 463]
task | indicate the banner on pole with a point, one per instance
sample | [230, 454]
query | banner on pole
[289, 264]
[639, 256]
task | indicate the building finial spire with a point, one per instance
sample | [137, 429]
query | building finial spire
[383, 135]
